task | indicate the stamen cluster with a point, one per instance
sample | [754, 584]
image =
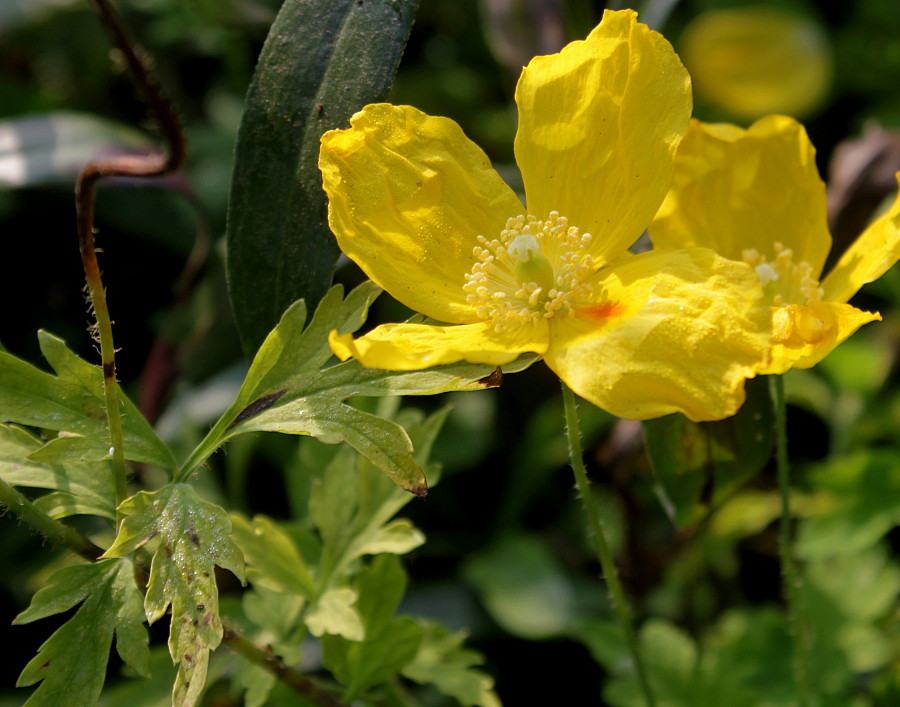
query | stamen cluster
[500, 288]
[784, 280]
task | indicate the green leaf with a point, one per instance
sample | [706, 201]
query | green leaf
[443, 662]
[523, 587]
[848, 599]
[62, 505]
[51, 149]
[333, 501]
[153, 692]
[670, 658]
[747, 660]
[390, 643]
[273, 558]
[73, 402]
[398, 537]
[276, 613]
[697, 465]
[858, 496]
[286, 390]
[191, 537]
[72, 663]
[321, 62]
[606, 642]
[351, 503]
[276, 616]
[257, 683]
[333, 613]
[82, 487]
[860, 364]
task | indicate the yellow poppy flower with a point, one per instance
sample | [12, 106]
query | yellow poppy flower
[755, 195]
[755, 60]
[419, 208]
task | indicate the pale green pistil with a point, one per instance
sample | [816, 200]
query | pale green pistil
[535, 269]
[531, 266]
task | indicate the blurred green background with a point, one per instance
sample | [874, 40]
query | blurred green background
[506, 555]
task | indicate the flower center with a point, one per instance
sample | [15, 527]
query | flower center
[533, 270]
[798, 318]
[784, 281]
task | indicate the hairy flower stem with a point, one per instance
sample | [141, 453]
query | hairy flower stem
[85, 194]
[790, 577]
[104, 330]
[604, 554]
[275, 665]
[55, 531]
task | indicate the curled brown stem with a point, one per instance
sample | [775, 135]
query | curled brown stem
[152, 165]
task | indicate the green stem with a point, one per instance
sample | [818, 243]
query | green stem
[790, 577]
[85, 200]
[56, 532]
[604, 554]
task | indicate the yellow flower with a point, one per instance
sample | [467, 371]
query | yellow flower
[755, 60]
[755, 195]
[419, 208]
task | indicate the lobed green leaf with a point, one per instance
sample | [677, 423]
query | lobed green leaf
[81, 487]
[390, 642]
[191, 538]
[334, 614]
[287, 390]
[858, 497]
[273, 558]
[442, 661]
[73, 402]
[71, 664]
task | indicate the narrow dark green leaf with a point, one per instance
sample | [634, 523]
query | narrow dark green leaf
[698, 464]
[322, 62]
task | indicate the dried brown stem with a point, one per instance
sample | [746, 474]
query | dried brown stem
[294, 679]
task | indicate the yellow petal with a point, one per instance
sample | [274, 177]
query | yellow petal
[805, 334]
[408, 195]
[737, 189]
[870, 257]
[598, 126]
[412, 347]
[690, 329]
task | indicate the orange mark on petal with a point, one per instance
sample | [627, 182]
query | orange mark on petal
[602, 310]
